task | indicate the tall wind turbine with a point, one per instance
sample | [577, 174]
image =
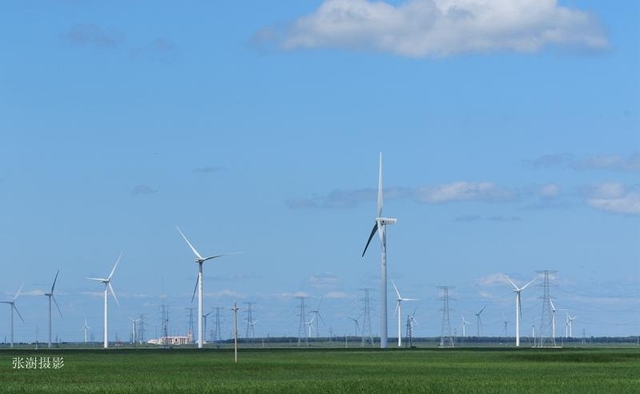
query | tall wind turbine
[199, 259]
[318, 318]
[399, 311]
[51, 297]
[518, 290]
[464, 326]
[570, 319]
[13, 307]
[380, 227]
[108, 288]
[479, 320]
[553, 320]
[85, 328]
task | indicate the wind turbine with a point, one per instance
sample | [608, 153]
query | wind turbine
[518, 290]
[199, 259]
[51, 297]
[570, 320]
[134, 329]
[318, 318]
[310, 326]
[85, 328]
[13, 307]
[399, 311]
[553, 320]
[380, 227]
[464, 326]
[355, 320]
[108, 288]
[479, 320]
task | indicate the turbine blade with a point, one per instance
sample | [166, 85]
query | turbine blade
[98, 279]
[113, 293]
[525, 286]
[396, 288]
[397, 306]
[54, 282]
[17, 311]
[220, 255]
[189, 243]
[194, 290]
[380, 187]
[18, 293]
[114, 267]
[56, 302]
[373, 232]
[514, 285]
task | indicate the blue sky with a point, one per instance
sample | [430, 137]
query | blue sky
[510, 136]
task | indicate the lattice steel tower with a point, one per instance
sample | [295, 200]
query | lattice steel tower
[250, 323]
[545, 335]
[302, 327]
[446, 340]
[367, 336]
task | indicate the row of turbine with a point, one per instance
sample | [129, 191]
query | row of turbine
[109, 289]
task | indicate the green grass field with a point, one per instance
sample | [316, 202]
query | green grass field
[480, 370]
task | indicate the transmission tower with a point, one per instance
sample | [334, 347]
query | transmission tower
[446, 340]
[302, 327]
[409, 342]
[367, 336]
[217, 334]
[190, 328]
[545, 331]
[165, 325]
[250, 323]
[141, 329]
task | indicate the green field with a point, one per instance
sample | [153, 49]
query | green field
[479, 370]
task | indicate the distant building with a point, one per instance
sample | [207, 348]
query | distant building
[172, 340]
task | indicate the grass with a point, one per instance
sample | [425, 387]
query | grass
[480, 370]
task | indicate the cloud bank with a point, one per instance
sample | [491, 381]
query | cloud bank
[437, 28]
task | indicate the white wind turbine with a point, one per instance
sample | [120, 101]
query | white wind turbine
[399, 311]
[355, 320]
[479, 320]
[553, 320]
[464, 326]
[518, 290]
[570, 319]
[134, 329]
[199, 259]
[108, 288]
[51, 297]
[318, 318]
[380, 227]
[85, 328]
[13, 307]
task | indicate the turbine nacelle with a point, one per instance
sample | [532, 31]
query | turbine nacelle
[385, 221]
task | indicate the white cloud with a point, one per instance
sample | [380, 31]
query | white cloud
[610, 162]
[626, 204]
[461, 191]
[549, 190]
[420, 28]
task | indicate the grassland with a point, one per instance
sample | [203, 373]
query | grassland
[479, 370]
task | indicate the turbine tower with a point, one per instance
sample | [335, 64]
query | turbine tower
[399, 311]
[51, 297]
[85, 328]
[518, 290]
[479, 320]
[380, 228]
[464, 326]
[569, 324]
[199, 259]
[107, 288]
[13, 307]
